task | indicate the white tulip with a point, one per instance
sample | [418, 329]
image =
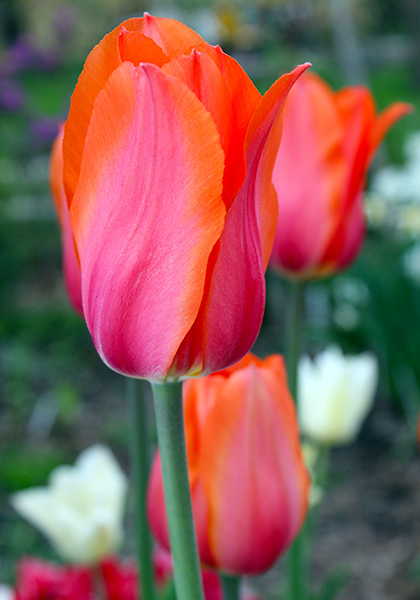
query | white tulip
[81, 511]
[336, 393]
[6, 592]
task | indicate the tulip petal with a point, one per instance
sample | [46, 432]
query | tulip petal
[386, 119]
[172, 36]
[158, 38]
[146, 215]
[135, 47]
[244, 95]
[235, 316]
[200, 73]
[71, 265]
[248, 526]
[262, 145]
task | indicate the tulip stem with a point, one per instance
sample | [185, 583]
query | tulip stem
[171, 438]
[297, 555]
[294, 335]
[140, 465]
[231, 586]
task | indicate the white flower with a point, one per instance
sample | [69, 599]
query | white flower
[81, 510]
[6, 592]
[336, 393]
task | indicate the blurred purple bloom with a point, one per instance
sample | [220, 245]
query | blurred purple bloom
[44, 130]
[12, 95]
[49, 60]
[22, 55]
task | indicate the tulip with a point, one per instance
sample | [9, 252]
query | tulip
[248, 481]
[71, 266]
[336, 393]
[168, 155]
[39, 580]
[329, 140]
[81, 510]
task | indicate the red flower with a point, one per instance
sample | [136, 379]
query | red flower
[40, 580]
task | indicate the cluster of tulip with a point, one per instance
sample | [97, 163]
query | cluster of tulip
[174, 182]
[81, 512]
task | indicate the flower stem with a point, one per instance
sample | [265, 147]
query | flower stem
[297, 555]
[171, 438]
[140, 465]
[294, 334]
[231, 586]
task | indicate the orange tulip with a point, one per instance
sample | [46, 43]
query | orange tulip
[71, 266]
[329, 140]
[168, 156]
[249, 484]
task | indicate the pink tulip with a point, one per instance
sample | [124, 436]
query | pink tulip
[168, 158]
[248, 481]
[329, 140]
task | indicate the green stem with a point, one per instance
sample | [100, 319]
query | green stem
[231, 586]
[171, 437]
[294, 334]
[320, 479]
[140, 465]
[297, 557]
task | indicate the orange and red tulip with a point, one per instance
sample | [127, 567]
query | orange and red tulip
[168, 156]
[248, 481]
[329, 140]
[71, 266]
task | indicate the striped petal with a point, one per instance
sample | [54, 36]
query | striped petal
[146, 215]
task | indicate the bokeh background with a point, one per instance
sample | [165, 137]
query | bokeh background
[57, 398]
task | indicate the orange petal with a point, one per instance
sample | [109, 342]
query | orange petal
[173, 37]
[203, 77]
[135, 47]
[262, 144]
[157, 36]
[244, 95]
[386, 119]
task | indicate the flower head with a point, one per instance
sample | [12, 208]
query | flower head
[329, 140]
[336, 393]
[81, 510]
[168, 154]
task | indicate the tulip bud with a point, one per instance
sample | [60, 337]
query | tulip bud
[248, 481]
[81, 510]
[335, 395]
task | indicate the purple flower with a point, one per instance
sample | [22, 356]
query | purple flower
[12, 95]
[44, 129]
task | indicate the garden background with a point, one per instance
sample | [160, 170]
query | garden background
[56, 396]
